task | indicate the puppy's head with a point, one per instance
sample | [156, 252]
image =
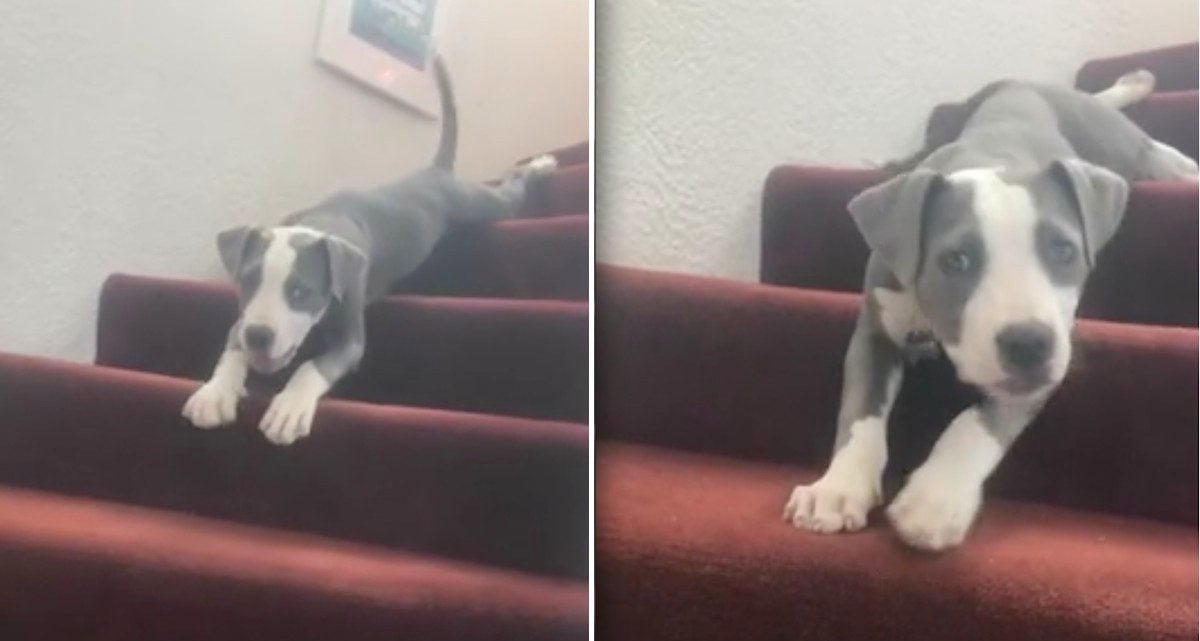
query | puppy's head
[287, 278]
[996, 261]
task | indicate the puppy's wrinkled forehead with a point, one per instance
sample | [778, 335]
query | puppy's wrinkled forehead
[1002, 204]
[952, 211]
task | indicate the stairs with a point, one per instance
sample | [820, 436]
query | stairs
[714, 398]
[443, 493]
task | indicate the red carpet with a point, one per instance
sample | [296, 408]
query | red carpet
[714, 398]
[443, 492]
[505, 356]
[78, 569]
[692, 547]
[523, 258]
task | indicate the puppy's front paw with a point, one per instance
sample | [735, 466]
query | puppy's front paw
[213, 405]
[835, 503]
[934, 511]
[289, 417]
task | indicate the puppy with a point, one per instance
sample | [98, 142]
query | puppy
[981, 245]
[325, 264]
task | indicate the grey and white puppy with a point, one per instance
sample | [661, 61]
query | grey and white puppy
[325, 264]
[983, 247]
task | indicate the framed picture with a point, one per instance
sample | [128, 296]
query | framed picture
[387, 45]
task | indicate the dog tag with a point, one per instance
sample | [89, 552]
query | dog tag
[920, 345]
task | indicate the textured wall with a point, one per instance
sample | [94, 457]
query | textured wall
[131, 132]
[699, 99]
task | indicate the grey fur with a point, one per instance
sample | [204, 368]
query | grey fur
[316, 274]
[241, 250]
[942, 296]
[239, 246]
[889, 218]
[1074, 152]
[872, 362]
[354, 247]
[371, 239]
[1099, 195]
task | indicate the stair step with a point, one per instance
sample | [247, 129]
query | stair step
[543, 258]
[494, 490]
[808, 240]
[692, 547]
[1175, 68]
[753, 371]
[87, 569]
[514, 357]
[564, 192]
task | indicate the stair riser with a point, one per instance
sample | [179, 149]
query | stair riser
[79, 569]
[1170, 118]
[525, 358]
[494, 490]
[565, 193]
[755, 372]
[533, 259]
[1175, 68]
[808, 240]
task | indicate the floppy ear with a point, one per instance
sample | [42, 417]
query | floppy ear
[890, 218]
[347, 269]
[1099, 196]
[233, 243]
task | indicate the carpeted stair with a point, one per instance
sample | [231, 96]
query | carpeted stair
[443, 492]
[714, 398]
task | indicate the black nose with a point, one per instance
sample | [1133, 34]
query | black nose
[1025, 347]
[259, 337]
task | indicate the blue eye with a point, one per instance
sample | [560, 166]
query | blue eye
[299, 292]
[1062, 251]
[956, 262]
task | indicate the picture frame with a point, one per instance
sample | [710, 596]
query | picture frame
[387, 45]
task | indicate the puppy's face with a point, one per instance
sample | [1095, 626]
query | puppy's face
[1000, 277]
[996, 262]
[284, 283]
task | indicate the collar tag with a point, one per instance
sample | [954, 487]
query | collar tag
[920, 345]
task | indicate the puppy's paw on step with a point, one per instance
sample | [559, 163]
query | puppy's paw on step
[289, 416]
[837, 504]
[213, 405]
[934, 512]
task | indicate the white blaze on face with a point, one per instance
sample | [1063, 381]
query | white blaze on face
[269, 307]
[1014, 286]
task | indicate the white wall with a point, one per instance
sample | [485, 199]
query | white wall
[131, 132]
[699, 99]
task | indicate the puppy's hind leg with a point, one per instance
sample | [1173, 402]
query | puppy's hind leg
[1164, 162]
[483, 203]
[1130, 88]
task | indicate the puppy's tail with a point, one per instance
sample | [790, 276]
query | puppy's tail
[448, 145]
[1128, 89]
